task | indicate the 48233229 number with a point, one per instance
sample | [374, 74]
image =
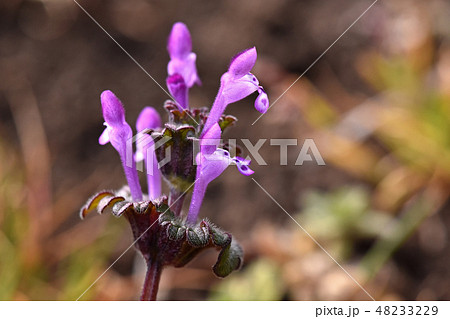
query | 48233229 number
[407, 310]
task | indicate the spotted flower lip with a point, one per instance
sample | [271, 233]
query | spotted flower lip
[182, 59]
[118, 133]
[262, 101]
[212, 162]
[236, 84]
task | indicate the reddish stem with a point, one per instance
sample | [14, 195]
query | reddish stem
[151, 282]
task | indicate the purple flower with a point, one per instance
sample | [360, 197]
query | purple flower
[178, 89]
[148, 119]
[236, 84]
[211, 162]
[175, 240]
[182, 59]
[119, 134]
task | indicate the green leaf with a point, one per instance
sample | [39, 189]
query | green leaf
[229, 260]
[226, 121]
[198, 237]
[219, 237]
[176, 232]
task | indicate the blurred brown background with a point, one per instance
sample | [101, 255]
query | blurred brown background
[377, 105]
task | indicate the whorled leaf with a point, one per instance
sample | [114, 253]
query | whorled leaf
[121, 207]
[100, 201]
[193, 240]
[195, 117]
[226, 121]
[230, 259]
[161, 235]
[192, 117]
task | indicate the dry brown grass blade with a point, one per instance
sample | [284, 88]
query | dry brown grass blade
[35, 154]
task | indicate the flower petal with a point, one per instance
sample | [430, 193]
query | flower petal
[177, 87]
[143, 142]
[242, 166]
[139, 155]
[243, 63]
[148, 119]
[262, 101]
[186, 68]
[119, 134]
[238, 89]
[212, 165]
[104, 138]
[242, 160]
[180, 43]
[112, 108]
[210, 140]
[182, 59]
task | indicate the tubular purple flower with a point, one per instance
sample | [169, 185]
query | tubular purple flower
[177, 87]
[211, 162]
[182, 59]
[119, 133]
[236, 84]
[149, 119]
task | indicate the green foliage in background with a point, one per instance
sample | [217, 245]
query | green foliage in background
[341, 217]
[48, 277]
[260, 281]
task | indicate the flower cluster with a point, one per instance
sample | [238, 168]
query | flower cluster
[163, 233]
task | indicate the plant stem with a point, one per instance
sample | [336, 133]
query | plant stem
[151, 282]
[176, 200]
